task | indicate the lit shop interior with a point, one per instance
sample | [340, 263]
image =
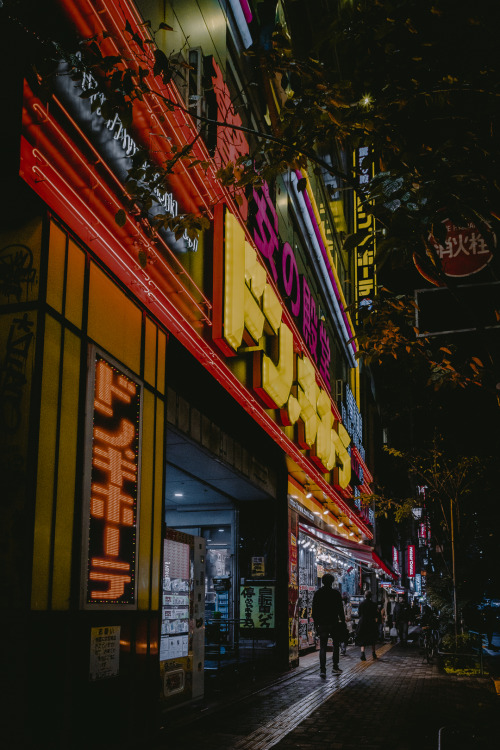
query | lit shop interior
[318, 553]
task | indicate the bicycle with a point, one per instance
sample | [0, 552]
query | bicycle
[429, 642]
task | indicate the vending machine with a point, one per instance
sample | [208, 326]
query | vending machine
[182, 639]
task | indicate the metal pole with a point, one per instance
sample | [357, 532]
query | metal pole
[452, 530]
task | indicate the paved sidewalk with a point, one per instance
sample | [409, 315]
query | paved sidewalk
[398, 702]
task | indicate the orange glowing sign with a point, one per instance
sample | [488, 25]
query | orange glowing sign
[231, 142]
[114, 469]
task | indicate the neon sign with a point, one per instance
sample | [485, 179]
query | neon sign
[110, 520]
[231, 143]
[366, 283]
[114, 142]
[410, 561]
[395, 560]
[248, 315]
[282, 263]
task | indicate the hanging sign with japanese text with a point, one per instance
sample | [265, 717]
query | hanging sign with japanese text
[366, 274]
[257, 606]
[112, 469]
[464, 251]
[410, 560]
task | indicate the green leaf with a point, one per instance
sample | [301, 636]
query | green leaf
[353, 240]
[121, 218]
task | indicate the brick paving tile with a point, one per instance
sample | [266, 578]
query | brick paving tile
[398, 702]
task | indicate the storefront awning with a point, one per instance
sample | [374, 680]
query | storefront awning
[361, 553]
[381, 564]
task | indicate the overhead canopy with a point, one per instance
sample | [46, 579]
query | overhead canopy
[360, 552]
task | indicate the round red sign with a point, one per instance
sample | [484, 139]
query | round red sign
[464, 250]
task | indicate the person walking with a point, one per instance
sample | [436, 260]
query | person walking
[348, 620]
[329, 621]
[367, 631]
[381, 622]
[401, 619]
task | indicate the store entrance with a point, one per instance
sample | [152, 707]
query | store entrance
[209, 500]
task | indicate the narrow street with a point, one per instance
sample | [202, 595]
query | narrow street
[398, 702]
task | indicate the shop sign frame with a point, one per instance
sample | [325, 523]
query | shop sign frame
[103, 520]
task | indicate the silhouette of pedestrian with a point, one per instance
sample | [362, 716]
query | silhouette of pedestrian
[367, 631]
[401, 619]
[329, 621]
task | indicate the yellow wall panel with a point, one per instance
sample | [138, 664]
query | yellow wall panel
[162, 346]
[150, 353]
[74, 284]
[114, 322]
[61, 582]
[158, 504]
[55, 271]
[46, 464]
[146, 507]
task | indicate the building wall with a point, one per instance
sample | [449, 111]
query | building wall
[66, 305]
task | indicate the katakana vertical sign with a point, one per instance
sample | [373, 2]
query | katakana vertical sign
[366, 279]
[112, 470]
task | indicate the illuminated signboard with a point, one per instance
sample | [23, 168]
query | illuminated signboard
[410, 561]
[257, 606]
[395, 559]
[366, 282]
[282, 263]
[464, 250]
[231, 143]
[248, 315]
[114, 142]
[112, 470]
[353, 421]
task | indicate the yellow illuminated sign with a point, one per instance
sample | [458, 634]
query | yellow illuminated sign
[284, 380]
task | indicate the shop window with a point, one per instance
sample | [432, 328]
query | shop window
[218, 573]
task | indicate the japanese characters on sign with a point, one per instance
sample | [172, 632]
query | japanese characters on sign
[395, 560]
[257, 606]
[463, 252]
[111, 514]
[366, 283]
[174, 642]
[231, 142]
[410, 560]
[104, 652]
[114, 142]
[249, 310]
[281, 260]
[353, 421]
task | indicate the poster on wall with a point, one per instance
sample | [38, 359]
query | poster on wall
[174, 642]
[257, 606]
[104, 652]
[293, 589]
[112, 480]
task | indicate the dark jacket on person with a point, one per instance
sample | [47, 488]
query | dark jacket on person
[401, 612]
[328, 609]
[367, 630]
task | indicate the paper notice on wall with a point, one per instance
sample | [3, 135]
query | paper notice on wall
[104, 652]
[174, 647]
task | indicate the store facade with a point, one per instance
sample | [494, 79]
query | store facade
[184, 465]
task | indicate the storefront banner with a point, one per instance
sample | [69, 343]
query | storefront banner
[112, 468]
[257, 606]
[410, 561]
[395, 560]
